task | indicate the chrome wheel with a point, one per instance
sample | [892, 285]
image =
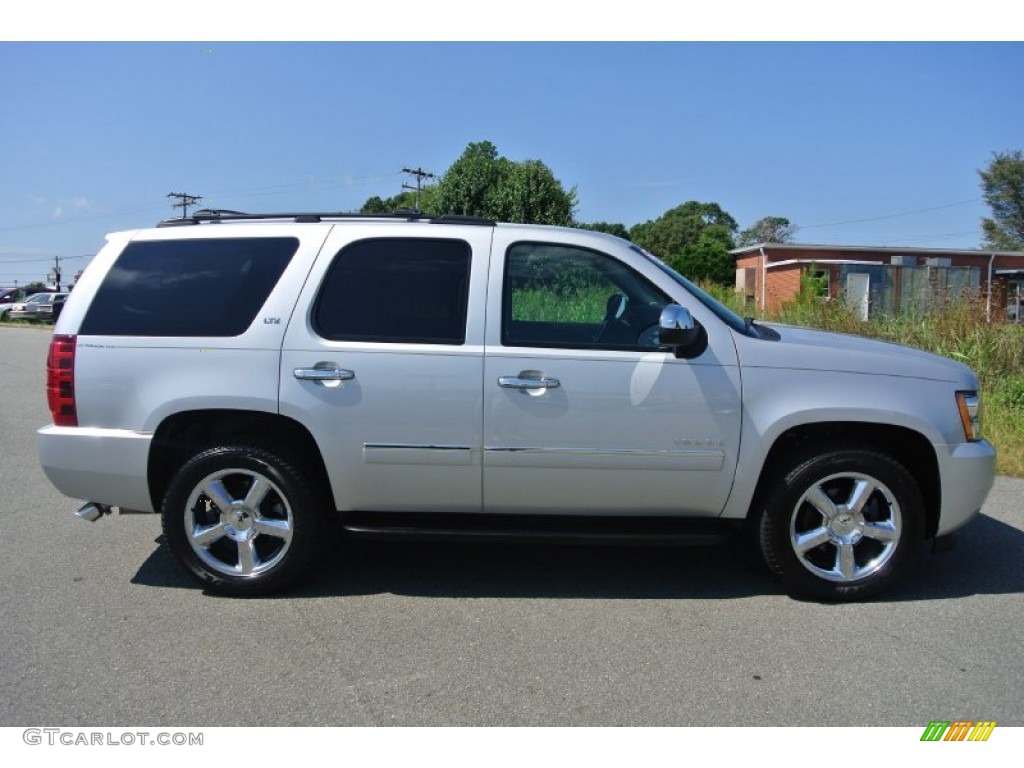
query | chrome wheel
[839, 521]
[238, 522]
[845, 527]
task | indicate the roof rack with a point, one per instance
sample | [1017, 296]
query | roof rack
[214, 215]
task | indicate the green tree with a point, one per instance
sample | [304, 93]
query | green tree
[709, 257]
[1002, 184]
[694, 238]
[619, 230]
[467, 186]
[406, 200]
[530, 193]
[770, 229]
[375, 205]
[483, 183]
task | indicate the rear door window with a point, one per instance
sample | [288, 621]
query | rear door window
[396, 290]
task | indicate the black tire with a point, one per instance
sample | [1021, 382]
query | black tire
[840, 523]
[243, 519]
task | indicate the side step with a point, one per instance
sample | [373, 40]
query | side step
[517, 529]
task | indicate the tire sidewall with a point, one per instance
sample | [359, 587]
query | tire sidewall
[293, 485]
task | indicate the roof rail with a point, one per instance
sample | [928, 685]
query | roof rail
[214, 215]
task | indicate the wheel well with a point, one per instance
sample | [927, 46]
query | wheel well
[183, 435]
[909, 448]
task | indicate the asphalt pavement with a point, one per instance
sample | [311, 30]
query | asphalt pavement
[100, 626]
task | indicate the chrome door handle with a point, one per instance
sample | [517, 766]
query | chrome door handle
[324, 374]
[528, 382]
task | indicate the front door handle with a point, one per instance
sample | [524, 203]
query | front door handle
[528, 380]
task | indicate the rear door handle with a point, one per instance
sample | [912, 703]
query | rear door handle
[324, 372]
[527, 382]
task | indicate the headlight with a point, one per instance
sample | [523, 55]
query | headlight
[969, 404]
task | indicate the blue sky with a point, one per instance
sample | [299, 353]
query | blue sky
[856, 143]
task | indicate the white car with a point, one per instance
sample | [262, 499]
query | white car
[253, 377]
[39, 306]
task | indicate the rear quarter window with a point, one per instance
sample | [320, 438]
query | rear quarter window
[188, 287]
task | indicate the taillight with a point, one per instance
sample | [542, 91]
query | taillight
[60, 381]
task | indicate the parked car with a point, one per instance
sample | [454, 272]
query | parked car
[11, 296]
[40, 306]
[253, 377]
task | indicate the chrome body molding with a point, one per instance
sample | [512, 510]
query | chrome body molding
[404, 453]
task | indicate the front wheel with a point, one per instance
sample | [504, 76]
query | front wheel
[841, 523]
[244, 520]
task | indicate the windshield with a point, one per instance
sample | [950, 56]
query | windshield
[729, 317]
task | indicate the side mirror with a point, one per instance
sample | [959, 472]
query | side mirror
[679, 332]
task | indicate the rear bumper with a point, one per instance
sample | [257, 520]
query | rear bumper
[967, 477]
[107, 466]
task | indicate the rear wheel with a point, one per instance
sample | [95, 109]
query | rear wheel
[841, 523]
[243, 519]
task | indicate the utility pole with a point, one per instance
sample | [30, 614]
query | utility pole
[420, 174]
[56, 273]
[185, 201]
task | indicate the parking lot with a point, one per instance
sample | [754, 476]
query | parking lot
[101, 626]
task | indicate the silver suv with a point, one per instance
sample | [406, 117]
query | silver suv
[253, 377]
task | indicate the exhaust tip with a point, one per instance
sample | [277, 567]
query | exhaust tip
[93, 512]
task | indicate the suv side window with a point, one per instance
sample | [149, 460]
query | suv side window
[562, 296]
[397, 290]
[188, 287]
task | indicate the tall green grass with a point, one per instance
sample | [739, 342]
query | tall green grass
[575, 305]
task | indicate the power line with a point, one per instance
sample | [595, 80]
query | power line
[83, 220]
[25, 261]
[275, 189]
[891, 215]
[45, 258]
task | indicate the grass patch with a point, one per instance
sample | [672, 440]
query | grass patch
[20, 323]
[572, 305]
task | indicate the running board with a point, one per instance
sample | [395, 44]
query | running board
[515, 529]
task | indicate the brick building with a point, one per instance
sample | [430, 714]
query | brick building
[881, 280]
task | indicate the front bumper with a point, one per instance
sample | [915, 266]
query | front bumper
[968, 473]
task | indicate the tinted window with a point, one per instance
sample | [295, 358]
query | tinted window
[188, 287]
[560, 296]
[396, 290]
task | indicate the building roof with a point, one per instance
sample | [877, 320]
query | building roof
[894, 250]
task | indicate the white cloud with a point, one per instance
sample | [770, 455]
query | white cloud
[58, 213]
